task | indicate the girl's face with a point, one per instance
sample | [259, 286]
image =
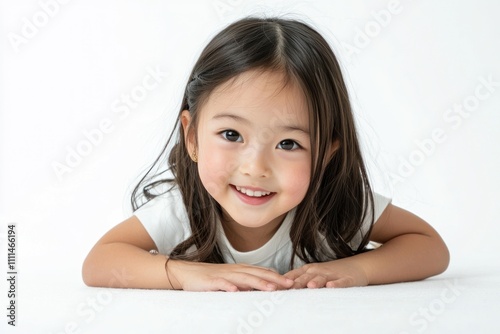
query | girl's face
[254, 150]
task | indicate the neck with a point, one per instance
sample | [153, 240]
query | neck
[246, 239]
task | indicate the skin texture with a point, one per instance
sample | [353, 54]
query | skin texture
[411, 250]
[249, 136]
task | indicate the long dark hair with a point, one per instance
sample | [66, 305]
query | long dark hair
[339, 197]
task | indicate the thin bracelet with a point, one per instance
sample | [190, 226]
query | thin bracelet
[155, 252]
[168, 277]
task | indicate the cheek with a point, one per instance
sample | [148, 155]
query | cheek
[215, 167]
[297, 180]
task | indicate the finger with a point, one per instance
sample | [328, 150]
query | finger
[271, 277]
[298, 285]
[317, 282]
[221, 284]
[343, 282]
[293, 274]
[246, 281]
[301, 281]
[270, 269]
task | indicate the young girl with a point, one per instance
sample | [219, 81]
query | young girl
[268, 188]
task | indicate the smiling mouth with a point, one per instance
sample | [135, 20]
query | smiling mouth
[252, 193]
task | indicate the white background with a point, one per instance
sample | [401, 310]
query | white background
[408, 70]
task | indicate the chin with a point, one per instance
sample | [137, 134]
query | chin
[246, 222]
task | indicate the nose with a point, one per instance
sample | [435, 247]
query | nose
[255, 162]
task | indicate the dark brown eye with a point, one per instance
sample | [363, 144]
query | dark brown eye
[288, 145]
[231, 135]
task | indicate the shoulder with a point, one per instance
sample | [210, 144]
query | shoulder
[165, 219]
[380, 203]
[169, 203]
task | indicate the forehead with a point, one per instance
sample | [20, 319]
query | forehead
[259, 93]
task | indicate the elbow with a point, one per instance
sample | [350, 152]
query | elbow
[87, 279]
[446, 261]
[442, 257]
[89, 276]
[89, 282]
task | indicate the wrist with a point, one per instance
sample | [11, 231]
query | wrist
[359, 269]
[171, 277]
[367, 264]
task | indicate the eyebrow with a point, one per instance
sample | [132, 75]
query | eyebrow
[239, 119]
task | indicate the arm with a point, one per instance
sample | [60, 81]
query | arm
[121, 259]
[411, 250]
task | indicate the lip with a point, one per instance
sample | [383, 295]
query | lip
[253, 200]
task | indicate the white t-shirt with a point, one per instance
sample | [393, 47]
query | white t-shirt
[165, 219]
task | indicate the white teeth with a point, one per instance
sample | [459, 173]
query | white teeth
[252, 193]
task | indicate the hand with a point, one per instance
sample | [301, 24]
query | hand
[198, 276]
[341, 273]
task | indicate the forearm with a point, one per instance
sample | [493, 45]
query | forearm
[412, 250]
[408, 257]
[120, 265]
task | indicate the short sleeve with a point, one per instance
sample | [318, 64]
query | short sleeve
[165, 219]
[379, 204]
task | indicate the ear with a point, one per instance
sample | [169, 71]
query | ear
[189, 134]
